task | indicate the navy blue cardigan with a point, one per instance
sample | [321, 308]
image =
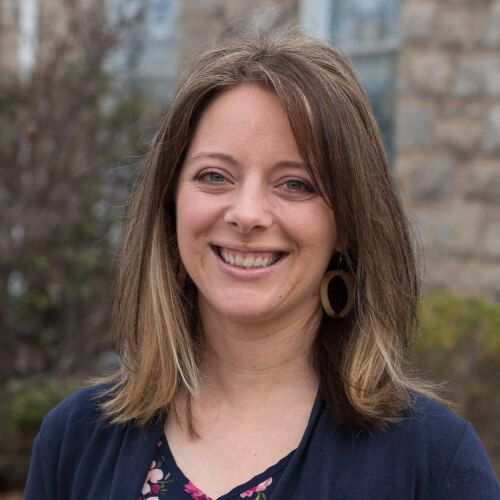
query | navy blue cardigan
[430, 454]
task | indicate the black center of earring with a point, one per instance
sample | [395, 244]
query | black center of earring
[337, 294]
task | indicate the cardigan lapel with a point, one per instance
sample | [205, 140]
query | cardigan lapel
[133, 464]
[294, 481]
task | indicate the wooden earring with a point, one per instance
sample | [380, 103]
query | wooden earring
[337, 293]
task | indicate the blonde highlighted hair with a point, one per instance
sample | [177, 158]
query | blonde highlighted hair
[359, 360]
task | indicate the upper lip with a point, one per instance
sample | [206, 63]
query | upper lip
[247, 249]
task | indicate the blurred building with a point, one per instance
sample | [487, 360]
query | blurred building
[431, 69]
[17, 36]
[448, 138]
[204, 23]
[149, 56]
[146, 57]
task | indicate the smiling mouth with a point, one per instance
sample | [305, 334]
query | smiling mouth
[248, 260]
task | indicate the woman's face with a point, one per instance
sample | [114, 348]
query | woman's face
[253, 235]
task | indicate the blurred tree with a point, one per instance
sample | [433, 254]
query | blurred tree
[61, 131]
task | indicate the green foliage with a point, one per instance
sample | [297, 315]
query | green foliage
[28, 404]
[24, 405]
[459, 337]
[63, 133]
[449, 321]
[66, 131]
[460, 344]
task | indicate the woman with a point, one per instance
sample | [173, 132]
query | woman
[265, 302]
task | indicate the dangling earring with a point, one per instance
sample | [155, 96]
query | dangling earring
[181, 275]
[337, 293]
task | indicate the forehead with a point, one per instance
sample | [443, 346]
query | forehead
[245, 96]
[245, 120]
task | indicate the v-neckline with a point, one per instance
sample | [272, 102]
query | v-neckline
[286, 463]
[182, 480]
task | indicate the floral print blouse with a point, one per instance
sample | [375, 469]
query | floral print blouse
[165, 481]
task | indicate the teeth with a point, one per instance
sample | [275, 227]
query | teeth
[246, 261]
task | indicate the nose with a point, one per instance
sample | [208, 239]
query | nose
[249, 209]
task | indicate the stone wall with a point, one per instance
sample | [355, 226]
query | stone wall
[448, 138]
[447, 123]
[204, 23]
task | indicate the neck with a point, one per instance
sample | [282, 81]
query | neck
[244, 362]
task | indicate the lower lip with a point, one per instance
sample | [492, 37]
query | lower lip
[251, 273]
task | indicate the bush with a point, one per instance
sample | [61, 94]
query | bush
[460, 344]
[24, 405]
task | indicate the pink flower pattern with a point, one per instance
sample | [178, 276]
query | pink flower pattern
[257, 489]
[195, 492]
[157, 479]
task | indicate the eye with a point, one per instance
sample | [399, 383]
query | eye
[211, 177]
[297, 187]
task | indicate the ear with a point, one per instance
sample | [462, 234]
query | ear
[340, 247]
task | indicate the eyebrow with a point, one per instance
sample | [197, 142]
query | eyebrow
[233, 161]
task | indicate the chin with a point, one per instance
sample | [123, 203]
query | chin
[247, 308]
[246, 313]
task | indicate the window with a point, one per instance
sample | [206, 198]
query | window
[148, 58]
[368, 32]
[28, 19]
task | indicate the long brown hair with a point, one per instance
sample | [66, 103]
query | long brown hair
[359, 360]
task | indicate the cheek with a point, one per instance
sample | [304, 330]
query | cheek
[196, 215]
[314, 229]
[189, 214]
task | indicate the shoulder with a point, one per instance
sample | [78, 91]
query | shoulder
[433, 435]
[74, 426]
[431, 424]
[426, 426]
[78, 449]
[80, 409]
[449, 445]
[429, 450]
[66, 435]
